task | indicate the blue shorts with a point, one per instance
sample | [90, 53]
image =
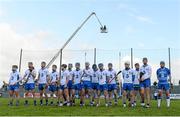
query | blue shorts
[29, 86]
[94, 86]
[163, 86]
[145, 84]
[52, 88]
[62, 87]
[112, 87]
[103, 87]
[128, 86]
[14, 87]
[42, 86]
[70, 84]
[86, 85]
[77, 87]
[136, 87]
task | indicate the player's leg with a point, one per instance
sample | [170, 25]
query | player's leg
[45, 94]
[115, 94]
[98, 98]
[11, 92]
[166, 87]
[159, 95]
[110, 96]
[66, 93]
[60, 97]
[73, 96]
[124, 97]
[105, 89]
[26, 94]
[135, 92]
[34, 97]
[82, 97]
[142, 93]
[16, 92]
[132, 98]
[147, 90]
[41, 93]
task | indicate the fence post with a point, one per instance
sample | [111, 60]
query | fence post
[20, 59]
[119, 60]
[85, 54]
[169, 56]
[131, 57]
[60, 62]
[94, 55]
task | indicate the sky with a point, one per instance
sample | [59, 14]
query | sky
[42, 26]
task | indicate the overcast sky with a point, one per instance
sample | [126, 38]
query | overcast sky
[149, 26]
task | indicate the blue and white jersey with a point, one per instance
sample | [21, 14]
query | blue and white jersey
[70, 74]
[14, 77]
[43, 75]
[87, 74]
[102, 76]
[54, 75]
[77, 74]
[95, 77]
[128, 75]
[146, 69]
[29, 75]
[137, 75]
[64, 77]
[163, 75]
[111, 75]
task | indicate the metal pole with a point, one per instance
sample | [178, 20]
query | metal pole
[131, 57]
[71, 37]
[94, 55]
[60, 62]
[85, 57]
[20, 59]
[169, 56]
[119, 60]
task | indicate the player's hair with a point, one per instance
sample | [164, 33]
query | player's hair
[162, 62]
[110, 64]
[100, 64]
[54, 66]
[145, 58]
[30, 63]
[64, 65]
[15, 66]
[43, 62]
[136, 64]
[77, 64]
[94, 65]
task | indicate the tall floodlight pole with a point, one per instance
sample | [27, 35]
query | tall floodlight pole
[102, 28]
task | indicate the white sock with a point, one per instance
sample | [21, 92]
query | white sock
[168, 102]
[159, 102]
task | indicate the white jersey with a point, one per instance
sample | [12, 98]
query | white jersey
[128, 75]
[70, 74]
[102, 76]
[64, 76]
[54, 75]
[29, 75]
[111, 75]
[43, 74]
[146, 69]
[87, 74]
[137, 75]
[77, 74]
[95, 77]
[14, 77]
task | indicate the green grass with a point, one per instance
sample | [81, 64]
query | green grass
[30, 110]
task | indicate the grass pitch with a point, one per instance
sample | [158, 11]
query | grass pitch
[38, 110]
